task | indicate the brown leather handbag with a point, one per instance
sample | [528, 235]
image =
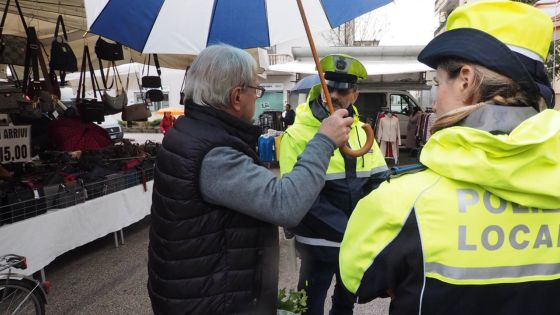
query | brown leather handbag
[136, 112]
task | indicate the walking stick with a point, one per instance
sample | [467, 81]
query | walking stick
[367, 128]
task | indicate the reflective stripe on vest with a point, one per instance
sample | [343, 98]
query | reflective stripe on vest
[486, 273]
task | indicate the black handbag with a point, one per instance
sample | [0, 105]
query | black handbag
[41, 96]
[154, 95]
[62, 56]
[9, 97]
[12, 48]
[91, 110]
[108, 51]
[22, 203]
[152, 81]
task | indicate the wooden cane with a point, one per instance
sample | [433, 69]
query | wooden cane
[367, 128]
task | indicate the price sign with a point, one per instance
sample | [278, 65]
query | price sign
[15, 144]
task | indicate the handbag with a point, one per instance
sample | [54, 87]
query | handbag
[108, 51]
[12, 48]
[136, 112]
[91, 110]
[152, 81]
[40, 97]
[62, 56]
[115, 104]
[154, 95]
[9, 97]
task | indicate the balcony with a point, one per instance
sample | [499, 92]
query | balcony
[274, 59]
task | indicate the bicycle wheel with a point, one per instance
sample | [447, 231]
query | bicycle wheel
[20, 297]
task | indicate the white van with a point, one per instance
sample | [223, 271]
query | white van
[113, 128]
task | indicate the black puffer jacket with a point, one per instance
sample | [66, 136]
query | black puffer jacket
[204, 258]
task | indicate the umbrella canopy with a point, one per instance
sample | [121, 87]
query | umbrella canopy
[188, 26]
[305, 84]
[174, 110]
[71, 134]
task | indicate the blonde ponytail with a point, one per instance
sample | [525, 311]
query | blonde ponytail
[491, 88]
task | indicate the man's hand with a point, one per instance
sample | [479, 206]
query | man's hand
[336, 127]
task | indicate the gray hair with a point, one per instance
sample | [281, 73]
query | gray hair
[215, 72]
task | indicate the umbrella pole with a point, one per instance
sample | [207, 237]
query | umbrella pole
[367, 128]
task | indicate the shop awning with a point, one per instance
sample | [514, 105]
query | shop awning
[377, 60]
[372, 67]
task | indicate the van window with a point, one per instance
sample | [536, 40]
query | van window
[400, 103]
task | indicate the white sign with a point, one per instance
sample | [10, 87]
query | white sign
[273, 86]
[15, 144]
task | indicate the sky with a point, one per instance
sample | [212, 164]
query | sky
[404, 22]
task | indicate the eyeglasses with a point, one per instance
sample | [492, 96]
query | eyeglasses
[341, 91]
[258, 89]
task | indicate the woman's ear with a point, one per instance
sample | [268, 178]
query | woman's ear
[466, 80]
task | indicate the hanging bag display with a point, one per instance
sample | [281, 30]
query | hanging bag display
[91, 110]
[62, 56]
[12, 48]
[152, 81]
[115, 104]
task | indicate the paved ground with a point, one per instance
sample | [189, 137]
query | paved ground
[100, 279]
[142, 137]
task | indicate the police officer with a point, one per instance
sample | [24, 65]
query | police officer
[477, 232]
[348, 179]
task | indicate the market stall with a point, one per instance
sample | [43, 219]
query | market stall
[43, 238]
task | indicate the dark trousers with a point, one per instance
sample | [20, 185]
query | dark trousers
[318, 266]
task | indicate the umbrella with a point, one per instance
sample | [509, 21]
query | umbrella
[175, 110]
[305, 84]
[71, 134]
[188, 26]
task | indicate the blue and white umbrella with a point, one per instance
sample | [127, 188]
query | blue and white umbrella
[188, 26]
[305, 84]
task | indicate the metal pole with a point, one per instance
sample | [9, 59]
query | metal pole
[116, 239]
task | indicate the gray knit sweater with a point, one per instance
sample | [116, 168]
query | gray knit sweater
[230, 178]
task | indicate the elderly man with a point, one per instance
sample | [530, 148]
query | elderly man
[213, 241]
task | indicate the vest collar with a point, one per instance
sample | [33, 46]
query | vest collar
[498, 119]
[234, 126]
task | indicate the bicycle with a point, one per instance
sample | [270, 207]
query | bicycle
[20, 294]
